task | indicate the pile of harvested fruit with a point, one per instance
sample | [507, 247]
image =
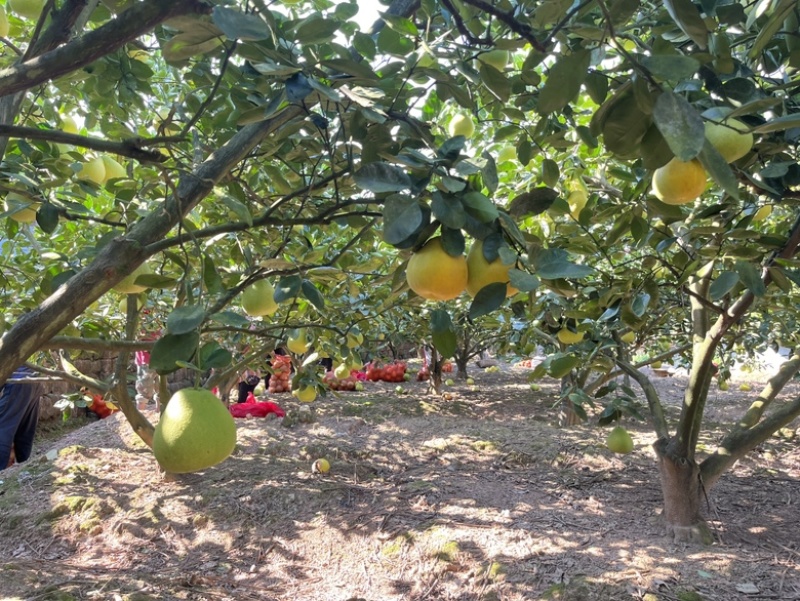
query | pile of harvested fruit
[280, 380]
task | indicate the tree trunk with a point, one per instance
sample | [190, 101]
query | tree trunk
[436, 372]
[461, 363]
[567, 416]
[683, 493]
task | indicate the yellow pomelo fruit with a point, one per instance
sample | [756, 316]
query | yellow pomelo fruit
[496, 58]
[628, 337]
[619, 441]
[306, 394]
[724, 385]
[25, 209]
[299, 342]
[461, 125]
[195, 431]
[482, 273]
[127, 285]
[93, 171]
[577, 200]
[656, 364]
[507, 153]
[745, 387]
[69, 125]
[342, 371]
[113, 170]
[731, 138]
[3, 23]
[123, 305]
[435, 275]
[322, 466]
[354, 339]
[762, 213]
[29, 9]
[567, 336]
[679, 182]
[258, 300]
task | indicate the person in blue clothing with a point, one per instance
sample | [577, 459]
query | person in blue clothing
[19, 415]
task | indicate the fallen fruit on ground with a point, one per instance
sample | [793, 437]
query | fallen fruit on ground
[435, 275]
[619, 441]
[321, 466]
[450, 382]
[470, 381]
[461, 125]
[679, 182]
[731, 138]
[305, 394]
[481, 272]
[127, 285]
[745, 387]
[195, 432]
[258, 300]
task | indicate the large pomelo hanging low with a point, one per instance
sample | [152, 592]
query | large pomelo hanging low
[435, 275]
[196, 431]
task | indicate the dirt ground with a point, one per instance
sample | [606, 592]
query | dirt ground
[479, 497]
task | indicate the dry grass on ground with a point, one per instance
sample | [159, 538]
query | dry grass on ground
[476, 498]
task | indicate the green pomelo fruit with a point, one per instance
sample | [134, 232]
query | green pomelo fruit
[195, 432]
[619, 441]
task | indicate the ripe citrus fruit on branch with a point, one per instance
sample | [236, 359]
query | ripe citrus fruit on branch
[482, 273]
[435, 275]
[25, 209]
[619, 441]
[461, 125]
[195, 431]
[679, 182]
[731, 138]
[496, 58]
[29, 9]
[299, 342]
[127, 285]
[567, 336]
[258, 300]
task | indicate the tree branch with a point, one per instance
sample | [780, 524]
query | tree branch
[508, 19]
[138, 20]
[651, 394]
[94, 344]
[131, 148]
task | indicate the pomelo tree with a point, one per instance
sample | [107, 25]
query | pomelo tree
[288, 142]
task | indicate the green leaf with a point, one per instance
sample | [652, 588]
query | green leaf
[238, 25]
[719, 169]
[186, 45]
[723, 284]
[213, 356]
[680, 124]
[211, 277]
[779, 124]
[640, 304]
[751, 278]
[562, 365]
[522, 280]
[552, 264]
[288, 288]
[563, 81]
[497, 83]
[687, 17]
[350, 67]
[171, 348]
[773, 25]
[185, 319]
[535, 202]
[550, 173]
[449, 210]
[316, 30]
[313, 295]
[47, 218]
[400, 24]
[402, 217]
[671, 67]
[443, 333]
[488, 299]
[230, 318]
[480, 206]
[382, 177]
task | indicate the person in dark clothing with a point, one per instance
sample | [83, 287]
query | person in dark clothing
[247, 384]
[19, 415]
